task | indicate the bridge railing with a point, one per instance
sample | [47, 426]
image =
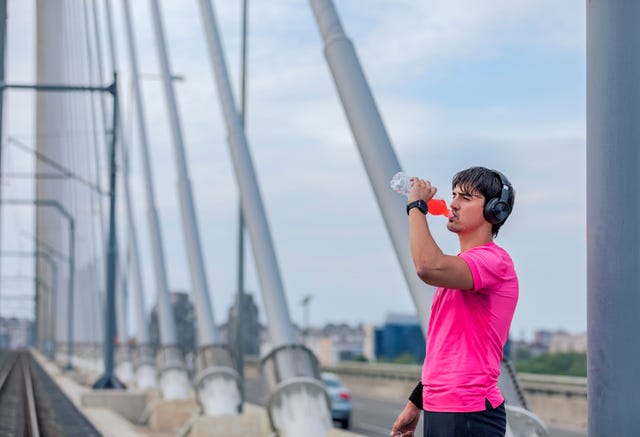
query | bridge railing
[531, 383]
[554, 384]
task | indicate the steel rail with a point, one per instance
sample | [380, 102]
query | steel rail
[6, 369]
[9, 377]
[30, 398]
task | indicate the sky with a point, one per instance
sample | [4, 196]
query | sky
[458, 83]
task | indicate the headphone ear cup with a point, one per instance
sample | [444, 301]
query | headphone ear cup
[489, 211]
[500, 211]
[496, 211]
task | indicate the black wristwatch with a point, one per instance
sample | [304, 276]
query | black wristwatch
[420, 204]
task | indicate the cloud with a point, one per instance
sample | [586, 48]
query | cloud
[426, 37]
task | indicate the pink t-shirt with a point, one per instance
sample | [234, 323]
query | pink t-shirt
[467, 333]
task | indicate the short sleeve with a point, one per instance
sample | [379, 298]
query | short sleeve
[487, 264]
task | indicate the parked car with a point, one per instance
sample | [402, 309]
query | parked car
[340, 399]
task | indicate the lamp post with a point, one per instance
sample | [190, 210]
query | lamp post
[305, 305]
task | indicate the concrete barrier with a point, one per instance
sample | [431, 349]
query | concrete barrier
[128, 404]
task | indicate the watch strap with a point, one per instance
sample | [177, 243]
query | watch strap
[420, 204]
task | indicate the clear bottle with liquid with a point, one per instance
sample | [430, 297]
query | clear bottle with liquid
[401, 184]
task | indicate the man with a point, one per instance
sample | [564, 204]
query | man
[473, 305]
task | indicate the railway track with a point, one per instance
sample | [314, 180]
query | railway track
[32, 405]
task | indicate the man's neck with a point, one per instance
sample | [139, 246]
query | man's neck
[469, 241]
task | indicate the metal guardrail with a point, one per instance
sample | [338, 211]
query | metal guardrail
[554, 384]
[531, 383]
[403, 372]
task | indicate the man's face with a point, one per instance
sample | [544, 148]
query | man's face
[467, 207]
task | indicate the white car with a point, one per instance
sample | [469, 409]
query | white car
[340, 399]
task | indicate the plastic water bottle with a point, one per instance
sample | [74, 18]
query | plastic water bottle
[401, 184]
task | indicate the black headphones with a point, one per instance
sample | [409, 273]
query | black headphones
[497, 210]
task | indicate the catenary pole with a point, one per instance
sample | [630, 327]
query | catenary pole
[613, 242]
[108, 379]
[145, 375]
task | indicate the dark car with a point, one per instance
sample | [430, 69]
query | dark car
[340, 399]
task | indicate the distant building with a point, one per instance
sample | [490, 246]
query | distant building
[401, 334]
[542, 338]
[336, 342]
[184, 316]
[252, 332]
[369, 342]
[564, 342]
[540, 343]
[545, 341]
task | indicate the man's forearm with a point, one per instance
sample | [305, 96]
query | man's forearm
[424, 250]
